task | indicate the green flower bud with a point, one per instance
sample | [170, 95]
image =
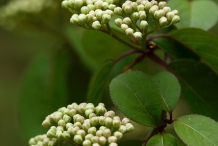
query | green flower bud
[122, 129]
[118, 11]
[162, 4]
[78, 4]
[90, 106]
[125, 121]
[94, 139]
[96, 25]
[81, 20]
[102, 128]
[163, 21]
[78, 139]
[116, 123]
[56, 116]
[78, 118]
[92, 130]
[153, 9]
[66, 135]
[124, 27]
[129, 32]
[127, 21]
[154, 2]
[89, 136]
[82, 106]
[95, 144]
[118, 134]
[113, 144]
[32, 141]
[72, 112]
[61, 122]
[91, 18]
[176, 12]
[109, 12]
[135, 15]
[94, 121]
[127, 9]
[100, 110]
[84, 10]
[89, 2]
[112, 7]
[134, 6]
[175, 19]
[66, 118]
[106, 132]
[144, 24]
[129, 127]
[147, 5]
[59, 134]
[87, 143]
[112, 139]
[142, 15]
[46, 123]
[99, 133]
[106, 18]
[105, 5]
[102, 140]
[158, 14]
[167, 9]
[68, 125]
[101, 104]
[98, 4]
[81, 132]
[92, 115]
[139, 1]
[108, 120]
[118, 22]
[72, 130]
[91, 7]
[64, 4]
[140, 7]
[86, 126]
[88, 112]
[170, 16]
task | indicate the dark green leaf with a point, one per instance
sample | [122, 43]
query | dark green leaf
[130, 143]
[201, 42]
[196, 13]
[98, 82]
[137, 96]
[197, 130]
[99, 46]
[162, 139]
[169, 89]
[199, 85]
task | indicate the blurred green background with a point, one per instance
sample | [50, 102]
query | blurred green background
[18, 49]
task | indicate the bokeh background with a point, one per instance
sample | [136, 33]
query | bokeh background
[20, 46]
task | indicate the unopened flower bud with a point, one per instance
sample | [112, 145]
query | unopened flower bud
[96, 25]
[88, 112]
[98, 4]
[175, 19]
[95, 144]
[94, 139]
[90, 106]
[135, 15]
[124, 27]
[84, 10]
[89, 136]
[105, 5]
[129, 127]
[78, 139]
[167, 9]
[112, 139]
[158, 14]
[102, 140]
[106, 18]
[140, 7]
[162, 4]
[78, 4]
[113, 144]
[86, 126]
[100, 110]
[66, 135]
[118, 11]
[127, 20]
[91, 7]
[112, 7]
[163, 21]
[68, 125]
[92, 130]
[81, 20]
[107, 132]
[81, 132]
[72, 112]
[108, 122]
[116, 123]
[94, 121]
[61, 123]
[118, 22]
[118, 134]
[153, 9]
[46, 123]
[154, 2]
[176, 12]
[137, 36]
[87, 143]
[122, 129]
[142, 15]
[127, 9]
[99, 133]
[148, 5]
[125, 121]
[66, 118]
[144, 24]
[134, 6]
[109, 12]
[170, 16]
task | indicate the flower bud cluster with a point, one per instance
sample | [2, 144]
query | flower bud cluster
[135, 16]
[90, 13]
[83, 124]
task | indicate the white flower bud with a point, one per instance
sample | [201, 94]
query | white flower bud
[94, 139]
[78, 139]
[77, 124]
[89, 136]
[167, 9]
[118, 22]
[51, 133]
[105, 5]
[153, 9]
[127, 9]
[176, 12]
[175, 19]
[139, 1]
[144, 24]
[109, 12]
[64, 4]
[106, 132]
[102, 140]
[101, 104]
[129, 31]
[61, 128]
[106, 18]
[100, 110]
[112, 139]
[87, 143]
[56, 116]
[142, 15]
[158, 14]
[96, 25]
[95, 144]
[127, 21]
[92, 130]
[78, 4]
[86, 126]
[134, 5]
[73, 130]
[102, 128]
[129, 127]
[84, 10]
[124, 27]
[113, 144]
[59, 134]
[61, 122]
[46, 123]
[90, 106]
[82, 106]
[32, 141]
[91, 7]
[170, 16]
[98, 4]
[72, 112]
[154, 2]
[81, 20]
[135, 15]
[118, 11]
[81, 132]
[148, 5]
[68, 125]
[118, 134]
[66, 135]
[125, 121]
[66, 118]
[163, 21]
[112, 7]
[140, 7]
[122, 129]
[92, 115]
[162, 4]
[116, 123]
[88, 112]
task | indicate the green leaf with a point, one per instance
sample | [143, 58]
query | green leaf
[99, 46]
[198, 13]
[130, 143]
[98, 82]
[169, 89]
[162, 139]
[199, 85]
[137, 96]
[197, 130]
[201, 42]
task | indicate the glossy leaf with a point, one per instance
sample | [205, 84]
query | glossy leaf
[99, 46]
[196, 13]
[197, 130]
[169, 88]
[130, 143]
[199, 85]
[137, 96]
[98, 82]
[162, 139]
[201, 42]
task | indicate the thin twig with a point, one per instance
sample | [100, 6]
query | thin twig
[153, 132]
[126, 54]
